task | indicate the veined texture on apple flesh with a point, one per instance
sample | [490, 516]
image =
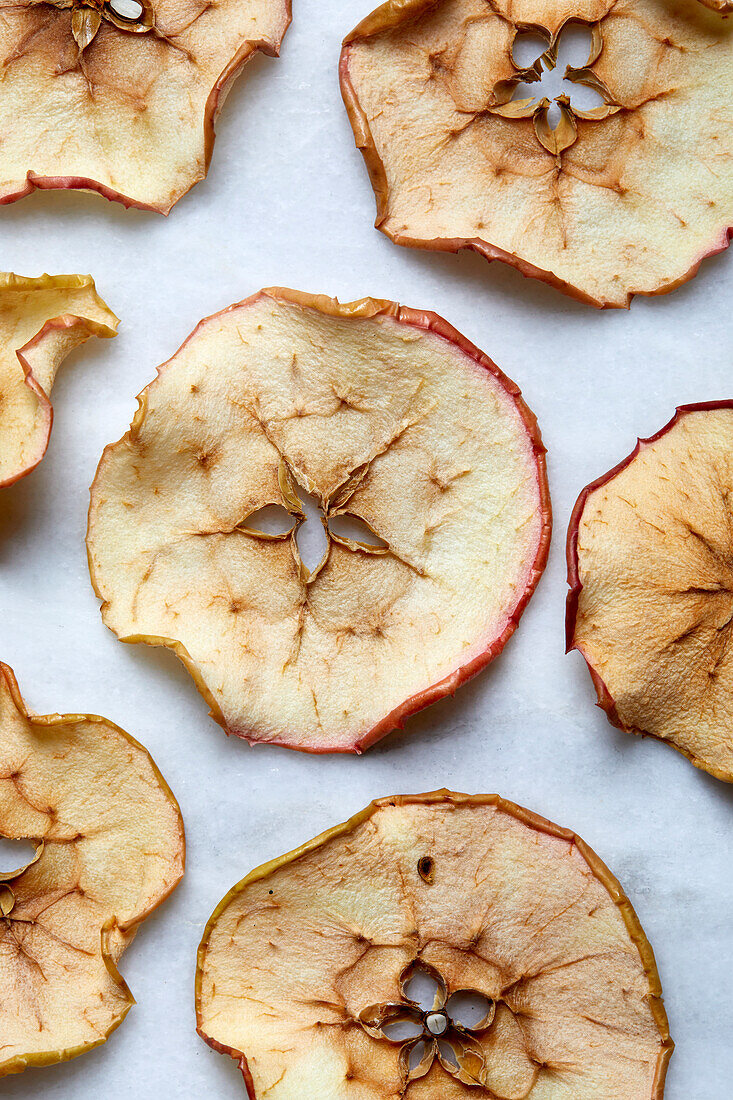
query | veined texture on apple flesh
[388, 417]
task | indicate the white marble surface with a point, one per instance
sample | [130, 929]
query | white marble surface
[288, 201]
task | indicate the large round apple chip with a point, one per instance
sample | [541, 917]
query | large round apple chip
[624, 192]
[650, 568]
[399, 428]
[109, 848]
[41, 321]
[121, 96]
[435, 947]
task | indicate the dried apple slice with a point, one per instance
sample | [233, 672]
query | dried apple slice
[625, 198]
[650, 568]
[41, 321]
[109, 849]
[386, 414]
[121, 96]
[308, 964]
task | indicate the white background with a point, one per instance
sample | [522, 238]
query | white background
[288, 201]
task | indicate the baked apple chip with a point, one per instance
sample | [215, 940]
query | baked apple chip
[435, 947]
[394, 423]
[650, 568]
[109, 848]
[121, 96]
[624, 197]
[41, 321]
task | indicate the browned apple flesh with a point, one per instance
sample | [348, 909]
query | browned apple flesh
[650, 564]
[624, 197]
[121, 96]
[109, 848]
[537, 980]
[41, 321]
[386, 415]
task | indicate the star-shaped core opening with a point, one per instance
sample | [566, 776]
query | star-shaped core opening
[573, 50]
[430, 1023]
[555, 84]
[134, 16]
[312, 523]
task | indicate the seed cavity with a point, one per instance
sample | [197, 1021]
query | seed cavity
[426, 869]
[131, 10]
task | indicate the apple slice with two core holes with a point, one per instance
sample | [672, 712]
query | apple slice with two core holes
[109, 848]
[41, 321]
[650, 568]
[386, 415]
[435, 947]
[625, 196]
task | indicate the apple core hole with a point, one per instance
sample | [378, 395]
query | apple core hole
[573, 49]
[423, 990]
[527, 47]
[348, 526]
[418, 1052]
[574, 46]
[469, 1009]
[15, 854]
[311, 535]
[402, 1029]
[273, 519]
[448, 1053]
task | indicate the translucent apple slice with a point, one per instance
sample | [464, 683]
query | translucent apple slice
[650, 568]
[109, 848]
[623, 197]
[41, 322]
[121, 96]
[308, 964]
[386, 416]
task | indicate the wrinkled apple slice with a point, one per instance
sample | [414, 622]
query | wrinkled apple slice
[121, 96]
[625, 198]
[41, 321]
[109, 849]
[308, 965]
[387, 415]
[650, 568]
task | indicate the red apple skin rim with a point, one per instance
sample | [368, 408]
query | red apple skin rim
[606, 700]
[396, 719]
[483, 651]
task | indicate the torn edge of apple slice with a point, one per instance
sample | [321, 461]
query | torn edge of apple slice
[29, 895]
[62, 312]
[605, 700]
